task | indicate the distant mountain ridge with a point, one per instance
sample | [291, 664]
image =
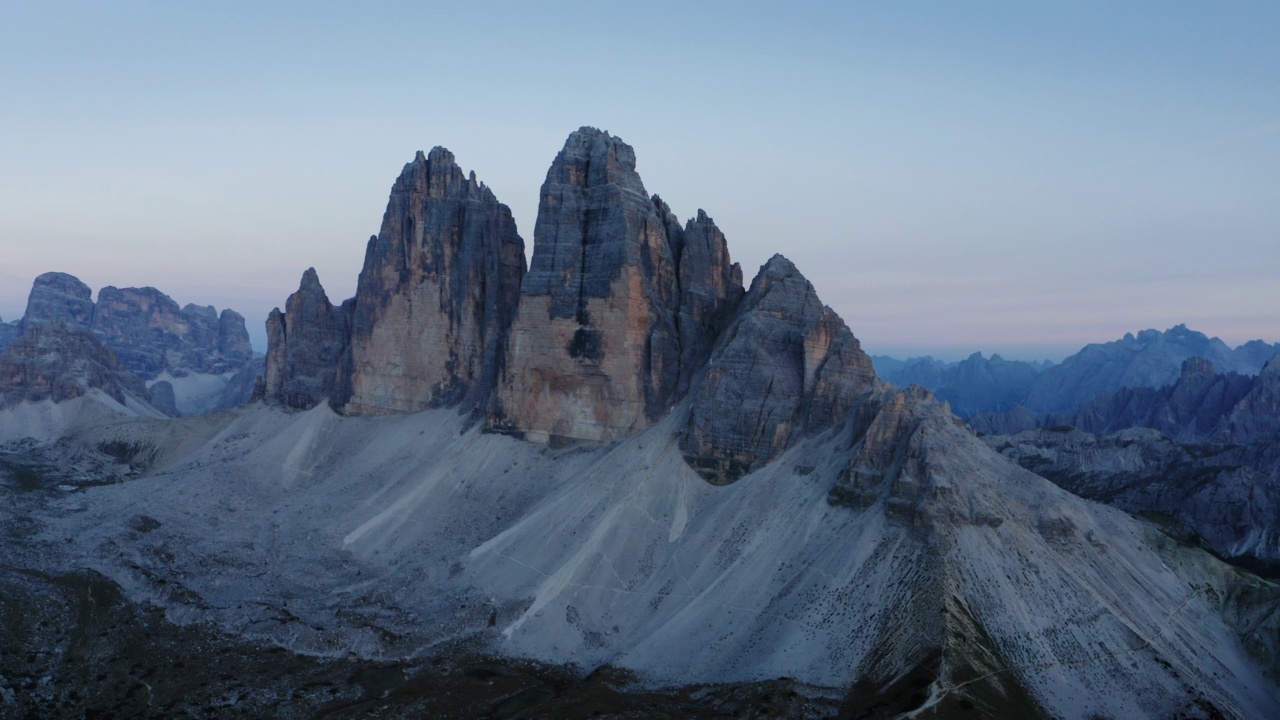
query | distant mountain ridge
[1204, 450]
[193, 358]
[974, 385]
[994, 385]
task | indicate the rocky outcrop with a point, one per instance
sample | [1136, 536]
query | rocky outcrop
[163, 398]
[152, 335]
[786, 367]
[438, 291]
[59, 297]
[1223, 497]
[52, 361]
[1191, 409]
[619, 304]
[307, 348]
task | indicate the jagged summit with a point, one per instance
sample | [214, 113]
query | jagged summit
[311, 281]
[197, 353]
[438, 175]
[428, 324]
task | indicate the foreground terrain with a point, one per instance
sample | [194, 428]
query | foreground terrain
[420, 548]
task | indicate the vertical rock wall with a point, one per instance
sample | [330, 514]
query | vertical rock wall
[438, 290]
[598, 349]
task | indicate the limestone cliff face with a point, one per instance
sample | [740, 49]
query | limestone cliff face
[786, 367]
[59, 297]
[152, 335]
[613, 322]
[307, 348]
[438, 291]
[53, 361]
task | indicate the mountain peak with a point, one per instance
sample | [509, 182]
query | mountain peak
[593, 158]
[311, 281]
[437, 174]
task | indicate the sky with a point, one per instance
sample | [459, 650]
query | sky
[1020, 178]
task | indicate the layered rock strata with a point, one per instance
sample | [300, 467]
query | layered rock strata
[438, 291]
[618, 308]
[307, 347]
[786, 367]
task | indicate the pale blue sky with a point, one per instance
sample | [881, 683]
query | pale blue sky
[951, 176]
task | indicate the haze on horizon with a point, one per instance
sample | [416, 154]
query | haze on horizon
[1003, 178]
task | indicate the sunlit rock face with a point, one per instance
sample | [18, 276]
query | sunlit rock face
[438, 290]
[307, 346]
[619, 307]
[786, 367]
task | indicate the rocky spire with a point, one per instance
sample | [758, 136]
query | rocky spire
[307, 345]
[598, 349]
[438, 291]
[710, 291]
[786, 367]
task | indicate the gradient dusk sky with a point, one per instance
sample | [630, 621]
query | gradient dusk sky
[1014, 177]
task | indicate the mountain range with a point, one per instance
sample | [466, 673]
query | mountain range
[179, 360]
[994, 385]
[620, 457]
